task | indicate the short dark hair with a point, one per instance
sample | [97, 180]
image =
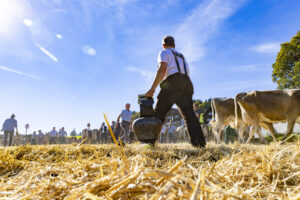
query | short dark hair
[12, 116]
[168, 40]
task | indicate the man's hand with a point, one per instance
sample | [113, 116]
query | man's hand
[150, 93]
[158, 78]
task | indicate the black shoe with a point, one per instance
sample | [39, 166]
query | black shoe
[197, 143]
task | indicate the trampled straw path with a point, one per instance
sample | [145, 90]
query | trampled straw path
[97, 172]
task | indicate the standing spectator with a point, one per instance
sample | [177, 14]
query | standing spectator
[62, 134]
[113, 124]
[53, 135]
[197, 111]
[87, 133]
[229, 134]
[116, 130]
[162, 136]
[40, 137]
[113, 127]
[171, 132]
[33, 138]
[9, 127]
[103, 133]
[96, 136]
[126, 115]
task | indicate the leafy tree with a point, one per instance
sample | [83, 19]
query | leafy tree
[286, 69]
[135, 115]
[73, 133]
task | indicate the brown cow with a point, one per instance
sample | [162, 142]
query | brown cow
[263, 108]
[223, 114]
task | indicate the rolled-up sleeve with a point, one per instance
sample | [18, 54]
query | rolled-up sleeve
[163, 56]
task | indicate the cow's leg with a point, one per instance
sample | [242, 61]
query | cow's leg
[252, 131]
[217, 132]
[270, 127]
[241, 131]
[258, 131]
[290, 128]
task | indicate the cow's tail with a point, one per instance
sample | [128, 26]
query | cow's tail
[213, 111]
[237, 111]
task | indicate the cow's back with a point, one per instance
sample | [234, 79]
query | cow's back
[274, 105]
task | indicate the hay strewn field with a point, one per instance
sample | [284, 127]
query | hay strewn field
[166, 172]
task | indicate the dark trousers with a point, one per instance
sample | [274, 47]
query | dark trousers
[126, 127]
[52, 140]
[178, 89]
[8, 135]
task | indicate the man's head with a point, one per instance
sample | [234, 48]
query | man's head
[103, 124]
[127, 106]
[63, 128]
[88, 125]
[113, 122]
[195, 106]
[168, 42]
[53, 128]
[12, 116]
[39, 131]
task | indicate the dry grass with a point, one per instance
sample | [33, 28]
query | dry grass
[166, 172]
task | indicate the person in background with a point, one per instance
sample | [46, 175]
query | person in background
[230, 134]
[40, 137]
[62, 134]
[113, 124]
[8, 128]
[126, 115]
[53, 136]
[34, 138]
[171, 132]
[103, 133]
[116, 130]
[87, 133]
[196, 110]
[162, 136]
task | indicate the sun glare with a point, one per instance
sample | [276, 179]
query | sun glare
[10, 12]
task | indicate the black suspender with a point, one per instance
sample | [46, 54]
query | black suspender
[177, 63]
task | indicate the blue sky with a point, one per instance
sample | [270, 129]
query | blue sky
[66, 62]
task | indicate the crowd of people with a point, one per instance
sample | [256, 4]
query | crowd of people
[122, 128]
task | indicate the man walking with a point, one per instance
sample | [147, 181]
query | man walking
[8, 128]
[176, 88]
[126, 115]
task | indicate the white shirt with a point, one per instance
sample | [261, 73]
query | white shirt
[126, 115]
[171, 129]
[62, 133]
[167, 56]
[9, 125]
[53, 133]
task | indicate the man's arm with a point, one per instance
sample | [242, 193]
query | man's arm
[118, 120]
[159, 77]
[16, 126]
